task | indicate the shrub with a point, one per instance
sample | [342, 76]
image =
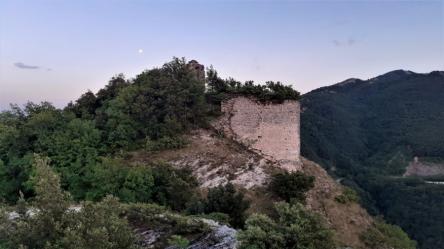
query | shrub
[291, 186]
[347, 196]
[165, 143]
[386, 236]
[178, 241]
[225, 199]
[294, 227]
[173, 187]
[271, 91]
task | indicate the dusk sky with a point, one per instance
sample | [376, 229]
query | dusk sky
[56, 50]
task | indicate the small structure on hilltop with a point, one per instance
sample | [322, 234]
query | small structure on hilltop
[198, 69]
[270, 129]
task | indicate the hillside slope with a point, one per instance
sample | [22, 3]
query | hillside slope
[216, 160]
[368, 131]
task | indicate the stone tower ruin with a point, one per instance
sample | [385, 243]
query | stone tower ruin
[198, 69]
[270, 129]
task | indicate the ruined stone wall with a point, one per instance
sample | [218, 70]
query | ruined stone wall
[269, 129]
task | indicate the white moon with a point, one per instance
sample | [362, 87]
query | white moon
[140, 50]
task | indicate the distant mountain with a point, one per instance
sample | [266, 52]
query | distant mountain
[367, 132]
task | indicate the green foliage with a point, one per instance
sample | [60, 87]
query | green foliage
[294, 227]
[271, 91]
[158, 183]
[364, 131]
[52, 224]
[114, 177]
[291, 186]
[98, 225]
[386, 236]
[225, 199]
[72, 144]
[413, 205]
[178, 241]
[85, 106]
[13, 176]
[223, 203]
[348, 195]
[173, 187]
[165, 143]
[160, 103]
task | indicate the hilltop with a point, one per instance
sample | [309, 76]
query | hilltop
[168, 160]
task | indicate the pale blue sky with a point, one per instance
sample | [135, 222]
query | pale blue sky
[78, 45]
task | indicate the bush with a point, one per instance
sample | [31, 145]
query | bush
[271, 91]
[291, 186]
[347, 196]
[294, 227]
[178, 241]
[225, 199]
[173, 187]
[386, 236]
[165, 143]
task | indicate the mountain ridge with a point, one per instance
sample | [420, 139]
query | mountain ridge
[368, 132]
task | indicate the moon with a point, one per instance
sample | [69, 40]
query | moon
[140, 51]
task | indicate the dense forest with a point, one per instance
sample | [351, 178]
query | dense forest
[366, 132]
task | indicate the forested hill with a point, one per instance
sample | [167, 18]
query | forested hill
[368, 131]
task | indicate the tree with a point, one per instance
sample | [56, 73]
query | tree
[85, 106]
[162, 102]
[50, 222]
[43, 225]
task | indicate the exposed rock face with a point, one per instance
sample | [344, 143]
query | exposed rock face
[215, 161]
[269, 129]
[220, 237]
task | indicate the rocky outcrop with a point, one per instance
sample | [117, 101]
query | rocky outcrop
[270, 129]
[214, 160]
[219, 237]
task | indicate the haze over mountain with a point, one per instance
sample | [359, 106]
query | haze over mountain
[367, 132]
